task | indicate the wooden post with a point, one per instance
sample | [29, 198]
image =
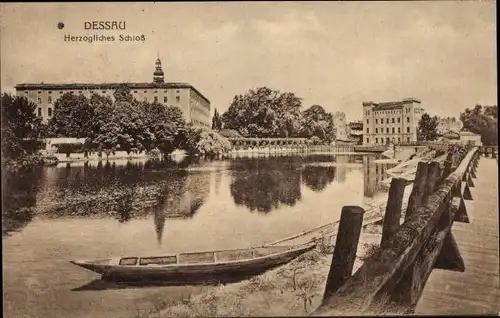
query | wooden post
[433, 176]
[392, 215]
[449, 257]
[467, 195]
[469, 180]
[418, 189]
[346, 246]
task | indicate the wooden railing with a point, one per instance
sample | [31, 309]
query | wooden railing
[372, 148]
[392, 279]
[279, 144]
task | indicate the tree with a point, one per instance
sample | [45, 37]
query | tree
[318, 123]
[427, 128]
[491, 111]
[164, 124]
[264, 113]
[216, 121]
[19, 122]
[73, 117]
[484, 124]
[123, 94]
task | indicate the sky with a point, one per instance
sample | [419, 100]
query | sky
[334, 54]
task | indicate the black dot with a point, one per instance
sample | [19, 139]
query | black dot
[60, 25]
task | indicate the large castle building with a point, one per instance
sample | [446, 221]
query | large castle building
[195, 107]
[391, 122]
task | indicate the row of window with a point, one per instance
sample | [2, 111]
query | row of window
[387, 140]
[387, 130]
[104, 91]
[393, 120]
[389, 112]
[165, 99]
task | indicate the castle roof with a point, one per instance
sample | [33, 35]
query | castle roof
[100, 86]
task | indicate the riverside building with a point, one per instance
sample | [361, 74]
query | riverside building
[194, 106]
[391, 122]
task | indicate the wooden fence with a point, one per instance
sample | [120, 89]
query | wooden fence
[392, 279]
[284, 144]
[489, 150]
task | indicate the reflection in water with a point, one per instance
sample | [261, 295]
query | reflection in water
[318, 177]
[18, 199]
[166, 189]
[266, 183]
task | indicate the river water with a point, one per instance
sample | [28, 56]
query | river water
[87, 211]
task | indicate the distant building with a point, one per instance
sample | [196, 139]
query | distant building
[470, 137]
[195, 107]
[355, 131]
[340, 126]
[388, 122]
[449, 124]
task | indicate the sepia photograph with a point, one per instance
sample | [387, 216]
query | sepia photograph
[249, 159]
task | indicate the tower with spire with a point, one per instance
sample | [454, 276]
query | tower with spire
[158, 73]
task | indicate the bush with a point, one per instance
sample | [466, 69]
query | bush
[155, 153]
[25, 161]
[206, 143]
[315, 140]
[229, 133]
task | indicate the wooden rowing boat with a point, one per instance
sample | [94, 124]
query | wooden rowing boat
[199, 265]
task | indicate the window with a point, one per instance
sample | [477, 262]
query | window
[387, 130]
[376, 121]
[50, 112]
[39, 100]
[104, 92]
[399, 120]
[408, 129]
[367, 130]
[393, 120]
[367, 140]
[39, 112]
[156, 99]
[135, 92]
[399, 139]
[367, 121]
[376, 140]
[177, 99]
[399, 130]
[387, 120]
[50, 99]
[408, 139]
[376, 130]
[407, 119]
[128, 261]
[387, 140]
[393, 130]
